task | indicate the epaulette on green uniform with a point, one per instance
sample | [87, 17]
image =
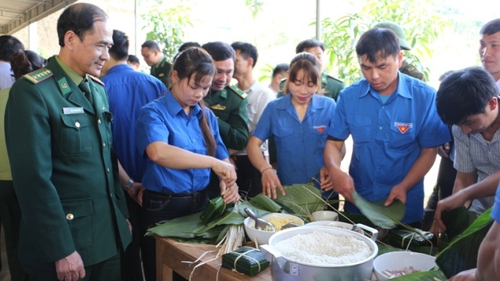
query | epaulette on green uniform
[238, 92]
[96, 79]
[39, 75]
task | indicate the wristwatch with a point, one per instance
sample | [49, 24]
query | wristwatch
[129, 184]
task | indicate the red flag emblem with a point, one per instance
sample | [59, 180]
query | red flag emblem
[403, 127]
[320, 129]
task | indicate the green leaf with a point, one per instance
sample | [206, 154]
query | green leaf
[384, 217]
[457, 221]
[301, 200]
[183, 227]
[461, 253]
[263, 202]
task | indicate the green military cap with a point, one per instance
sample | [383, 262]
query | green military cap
[398, 30]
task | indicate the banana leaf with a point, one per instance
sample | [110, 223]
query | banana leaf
[192, 227]
[301, 200]
[431, 275]
[461, 254]
[385, 217]
[229, 217]
[457, 221]
[263, 202]
[183, 227]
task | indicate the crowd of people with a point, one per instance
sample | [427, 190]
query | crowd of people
[93, 152]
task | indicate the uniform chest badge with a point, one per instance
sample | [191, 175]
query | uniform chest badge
[218, 107]
[320, 129]
[403, 127]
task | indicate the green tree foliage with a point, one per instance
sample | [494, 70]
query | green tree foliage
[421, 21]
[255, 7]
[167, 27]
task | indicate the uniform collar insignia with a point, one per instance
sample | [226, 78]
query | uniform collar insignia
[218, 107]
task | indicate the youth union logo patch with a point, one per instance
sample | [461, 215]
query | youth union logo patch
[403, 127]
[320, 129]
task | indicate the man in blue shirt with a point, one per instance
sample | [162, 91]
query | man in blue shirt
[128, 91]
[395, 129]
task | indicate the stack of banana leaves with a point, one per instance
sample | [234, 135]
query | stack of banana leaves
[221, 223]
[457, 250]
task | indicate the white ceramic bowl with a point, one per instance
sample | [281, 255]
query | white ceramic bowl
[401, 260]
[261, 236]
[325, 216]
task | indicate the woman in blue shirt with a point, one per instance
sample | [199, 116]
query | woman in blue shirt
[180, 140]
[298, 123]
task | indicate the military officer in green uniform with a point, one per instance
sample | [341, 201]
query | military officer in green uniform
[227, 102]
[160, 67]
[330, 86]
[58, 135]
[406, 67]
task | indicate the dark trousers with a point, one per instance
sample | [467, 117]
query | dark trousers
[442, 189]
[131, 260]
[10, 214]
[249, 178]
[157, 207]
[108, 270]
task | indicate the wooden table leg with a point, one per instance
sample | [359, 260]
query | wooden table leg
[163, 271]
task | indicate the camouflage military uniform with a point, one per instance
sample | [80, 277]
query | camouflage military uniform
[330, 86]
[161, 70]
[411, 70]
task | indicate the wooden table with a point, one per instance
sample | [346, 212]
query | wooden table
[170, 256]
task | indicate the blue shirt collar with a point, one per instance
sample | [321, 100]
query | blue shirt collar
[174, 108]
[286, 101]
[119, 67]
[402, 88]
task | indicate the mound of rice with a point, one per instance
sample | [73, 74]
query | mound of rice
[323, 248]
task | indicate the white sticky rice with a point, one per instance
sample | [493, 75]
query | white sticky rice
[323, 248]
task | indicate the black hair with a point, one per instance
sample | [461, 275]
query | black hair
[119, 50]
[219, 51]
[247, 50]
[307, 44]
[80, 19]
[152, 45]
[311, 66]
[187, 45]
[196, 61]
[133, 59]
[280, 68]
[9, 45]
[378, 43]
[24, 62]
[463, 93]
[490, 27]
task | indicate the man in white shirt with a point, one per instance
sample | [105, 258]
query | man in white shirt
[489, 49]
[9, 45]
[249, 179]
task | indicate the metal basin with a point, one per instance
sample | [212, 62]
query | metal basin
[287, 269]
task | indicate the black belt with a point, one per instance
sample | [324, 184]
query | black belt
[175, 195]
